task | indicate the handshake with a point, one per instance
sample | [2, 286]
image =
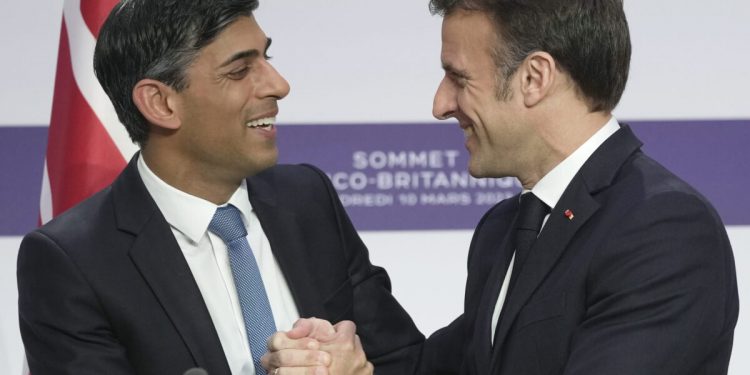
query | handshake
[315, 347]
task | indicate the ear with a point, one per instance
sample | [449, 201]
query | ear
[538, 76]
[155, 100]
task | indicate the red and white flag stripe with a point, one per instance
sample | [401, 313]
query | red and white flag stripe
[87, 146]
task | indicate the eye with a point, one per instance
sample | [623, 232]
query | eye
[238, 74]
[457, 80]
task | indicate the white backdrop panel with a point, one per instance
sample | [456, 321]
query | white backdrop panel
[376, 61]
[11, 349]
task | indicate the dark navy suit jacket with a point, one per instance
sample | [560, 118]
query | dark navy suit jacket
[640, 280]
[104, 288]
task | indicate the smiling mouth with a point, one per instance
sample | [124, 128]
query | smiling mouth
[266, 123]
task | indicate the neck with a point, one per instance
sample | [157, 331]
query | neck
[559, 136]
[568, 134]
[186, 176]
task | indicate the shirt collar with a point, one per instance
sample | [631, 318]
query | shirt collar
[188, 214]
[551, 187]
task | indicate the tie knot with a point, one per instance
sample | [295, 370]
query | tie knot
[227, 224]
[532, 213]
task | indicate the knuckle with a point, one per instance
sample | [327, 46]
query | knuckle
[273, 361]
[348, 346]
[309, 343]
[274, 342]
[287, 357]
[361, 360]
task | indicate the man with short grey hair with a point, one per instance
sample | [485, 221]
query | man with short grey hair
[606, 263]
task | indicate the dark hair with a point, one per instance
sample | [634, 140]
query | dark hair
[589, 39]
[156, 39]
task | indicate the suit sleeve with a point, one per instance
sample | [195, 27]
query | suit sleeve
[661, 294]
[444, 350]
[63, 328]
[390, 339]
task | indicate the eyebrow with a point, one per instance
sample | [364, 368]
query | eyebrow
[450, 69]
[248, 54]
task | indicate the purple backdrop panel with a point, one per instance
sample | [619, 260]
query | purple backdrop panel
[712, 156]
[414, 176]
[410, 176]
[21, 162]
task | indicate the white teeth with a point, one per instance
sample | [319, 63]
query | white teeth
[261, 122]
[468, 131]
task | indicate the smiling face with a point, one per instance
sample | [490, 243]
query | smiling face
[498, 141]
[227, 112]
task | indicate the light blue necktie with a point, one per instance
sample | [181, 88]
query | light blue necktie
[256, 311]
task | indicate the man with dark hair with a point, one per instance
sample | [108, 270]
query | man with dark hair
[201, 248]
[606, 263]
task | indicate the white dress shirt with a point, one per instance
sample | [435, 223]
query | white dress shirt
[207, 257]
[550, 188]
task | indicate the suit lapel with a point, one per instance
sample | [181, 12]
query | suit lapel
[159, 259]
[552, 242]
[288, 245]
[596, 174]
[483, 329]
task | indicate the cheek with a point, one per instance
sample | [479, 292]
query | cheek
[477, 100]
[239, 94]
[243, 91]
[225, 103]
[478, 111]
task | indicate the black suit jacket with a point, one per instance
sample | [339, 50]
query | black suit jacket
[640, 280]
[104, 288]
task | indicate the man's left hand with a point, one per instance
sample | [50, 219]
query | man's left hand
[313, 346]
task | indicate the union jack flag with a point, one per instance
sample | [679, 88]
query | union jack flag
[87, 146]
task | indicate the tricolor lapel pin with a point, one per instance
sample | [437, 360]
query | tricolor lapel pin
[569, 214]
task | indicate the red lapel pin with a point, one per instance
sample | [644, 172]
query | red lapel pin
[569, 214]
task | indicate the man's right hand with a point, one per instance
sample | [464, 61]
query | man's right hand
[314, 346]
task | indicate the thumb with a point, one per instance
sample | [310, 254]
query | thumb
[301, 328]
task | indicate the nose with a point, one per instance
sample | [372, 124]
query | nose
[444, 105]
[275, 84]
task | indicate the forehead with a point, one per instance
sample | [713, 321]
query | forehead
[467, 33]
[244, 34]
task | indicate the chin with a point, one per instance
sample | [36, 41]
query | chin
[268, 158]
[479, 171]
[476, 171]
[262, 167]
[260, 163]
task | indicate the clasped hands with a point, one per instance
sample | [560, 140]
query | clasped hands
[315, 347]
